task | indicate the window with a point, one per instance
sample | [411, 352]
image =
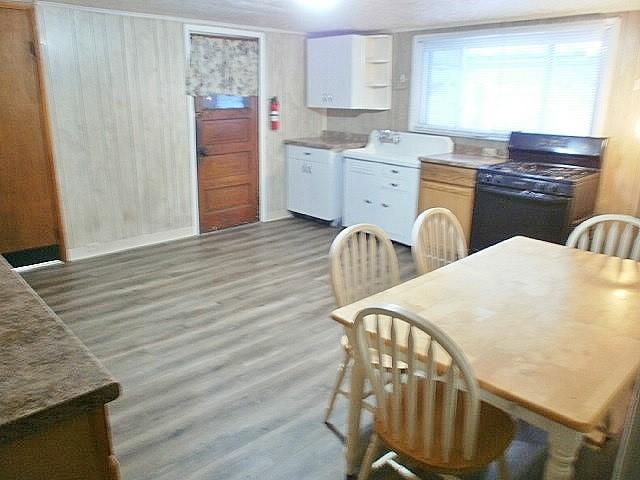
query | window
[542, 78]
[223, 101]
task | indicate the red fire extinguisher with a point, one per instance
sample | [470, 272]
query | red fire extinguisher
[274, 114]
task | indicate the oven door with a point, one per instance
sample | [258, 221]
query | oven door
[501, 213]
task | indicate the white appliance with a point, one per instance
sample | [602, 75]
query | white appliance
[314, 182]
[381, 180]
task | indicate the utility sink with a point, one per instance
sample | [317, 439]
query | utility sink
[400, 148]
[381, 180]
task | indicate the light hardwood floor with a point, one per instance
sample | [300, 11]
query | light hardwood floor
[224, 349]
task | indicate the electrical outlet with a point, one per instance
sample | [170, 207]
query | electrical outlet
[401, 82]
[636, 85]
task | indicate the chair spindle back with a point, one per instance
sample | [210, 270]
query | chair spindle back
[419, 404]
[437, 240]
[613, 235]
[362, 262]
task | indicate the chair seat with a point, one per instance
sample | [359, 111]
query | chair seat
[495, 432]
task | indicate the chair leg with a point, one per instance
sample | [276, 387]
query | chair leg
[369, 456]
[342, 370]
[503, 468]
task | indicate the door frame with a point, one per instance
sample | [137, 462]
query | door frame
[45, 121]
[262, 116]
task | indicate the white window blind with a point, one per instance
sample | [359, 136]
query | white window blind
[543, 78]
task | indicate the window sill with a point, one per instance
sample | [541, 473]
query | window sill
[462, 134]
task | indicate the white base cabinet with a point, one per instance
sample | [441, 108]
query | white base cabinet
[383, 194]
[314, 182]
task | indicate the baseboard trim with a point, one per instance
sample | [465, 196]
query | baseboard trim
[277, 215]
[36, 266]
[98, 249]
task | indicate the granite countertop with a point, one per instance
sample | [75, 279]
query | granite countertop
[330, 140]
[46, 372]
[463, 160]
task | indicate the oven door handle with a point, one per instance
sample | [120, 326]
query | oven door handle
[524, 195]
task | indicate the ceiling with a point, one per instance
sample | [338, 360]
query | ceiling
[363, 15]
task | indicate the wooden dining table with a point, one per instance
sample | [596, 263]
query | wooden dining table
[552, 333]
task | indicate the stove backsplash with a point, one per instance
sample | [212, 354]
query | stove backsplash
[477, 146]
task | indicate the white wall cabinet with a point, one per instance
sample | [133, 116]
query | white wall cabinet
[314, 182]
[382, 194]
[349, 71]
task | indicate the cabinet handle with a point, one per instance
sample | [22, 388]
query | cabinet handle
[393, 184]
[385, 205]
[395, 171]
[368, 201]
[307, 153]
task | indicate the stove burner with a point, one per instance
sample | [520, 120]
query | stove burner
[546, 170]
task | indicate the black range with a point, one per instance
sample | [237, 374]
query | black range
[547, 187]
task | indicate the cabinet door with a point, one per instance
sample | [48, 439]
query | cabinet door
[317, 73]
[398, 203]
[330, 71]
[340, 67]
[70, 448]
[361, 192]
[318, 185]
[456, 198]
[297, 185]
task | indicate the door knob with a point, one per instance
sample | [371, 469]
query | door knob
[202, 152]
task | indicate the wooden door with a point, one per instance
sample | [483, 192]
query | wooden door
[28, 206]
[227, 142]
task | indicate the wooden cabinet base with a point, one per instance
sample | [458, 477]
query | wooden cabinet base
[449, 187]
[72, 449]
[458, 199]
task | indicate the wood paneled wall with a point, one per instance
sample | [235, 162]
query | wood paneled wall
[620, 183]
[119, 116]
[120, 126]
[286, 67]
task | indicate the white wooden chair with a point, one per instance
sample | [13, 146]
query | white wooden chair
[619, 236]
[362, 262]
[430, 415]
[613, 235]
[437, 240]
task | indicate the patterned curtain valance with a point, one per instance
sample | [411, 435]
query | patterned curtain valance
[222, 66]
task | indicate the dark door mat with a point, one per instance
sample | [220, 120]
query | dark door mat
[33, 256]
